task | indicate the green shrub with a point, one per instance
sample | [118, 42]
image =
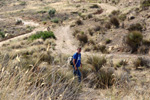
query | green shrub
[135, 27]
[114, 21]
[96, 62]
[55, 20]
[52, 12]
[133, 39]
[2, 34]
[42, 34]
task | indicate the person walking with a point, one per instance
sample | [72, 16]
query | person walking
[77, 63]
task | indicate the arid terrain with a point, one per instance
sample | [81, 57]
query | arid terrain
[37, 38]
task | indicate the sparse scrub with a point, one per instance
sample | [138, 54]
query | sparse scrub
[134, 39]
[42, 34]
[101, 48]
[114, 21]
[135, 27]
[23, 3]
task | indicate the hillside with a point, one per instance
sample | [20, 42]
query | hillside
[37, 37]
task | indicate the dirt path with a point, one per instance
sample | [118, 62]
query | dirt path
[65, 42]
[31, 23]
[107, 8]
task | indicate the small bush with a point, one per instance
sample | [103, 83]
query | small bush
[18, 22]
[75, 32]
[52, 12]
[89, 16]
[91, 42]
[115, 12]
[122, 17]
[108, 41]
[91, 32]
[108, 25]
[82, 38]
[115, 21]
[79, 22]
[94, 6]
[134, 39]
[55, 20]
[42, 34]
[135, 27]
[97, 28]
[121, 63]
[2, 34]
[96, 62]
[141, 62]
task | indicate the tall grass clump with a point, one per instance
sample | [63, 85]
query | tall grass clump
[96, 62]
[42, 34]
[134, 39]
[103, 77]
[34, 83]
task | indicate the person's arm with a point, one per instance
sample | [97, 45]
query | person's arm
[74, 64]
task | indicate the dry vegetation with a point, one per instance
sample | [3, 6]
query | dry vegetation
[115, 47]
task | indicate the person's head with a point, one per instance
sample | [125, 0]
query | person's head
[79, 49]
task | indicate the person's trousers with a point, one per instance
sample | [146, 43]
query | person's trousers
[77, 72]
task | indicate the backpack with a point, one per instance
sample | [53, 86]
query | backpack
[71, 60]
